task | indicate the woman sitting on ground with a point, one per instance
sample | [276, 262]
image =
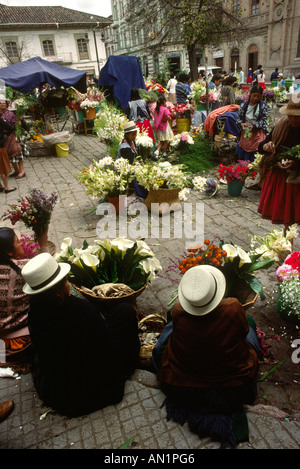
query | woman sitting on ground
[127, 148]
[14, 302]
[81, 359]
[210, 362]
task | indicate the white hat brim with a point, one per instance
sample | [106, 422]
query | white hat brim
[64, 270]
[221, 287]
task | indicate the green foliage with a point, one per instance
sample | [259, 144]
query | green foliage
[197, 158]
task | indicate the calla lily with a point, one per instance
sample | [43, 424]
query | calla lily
[122, 244]
[66, 243]
[244, 257]
[90, 260]
[143, 249]
[151, 265]
[231, 251]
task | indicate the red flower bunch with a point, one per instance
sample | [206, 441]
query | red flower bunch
[239, 171]
[182, 111]
[74, 106]
[293, 260]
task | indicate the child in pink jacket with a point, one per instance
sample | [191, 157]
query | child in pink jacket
[162, 126]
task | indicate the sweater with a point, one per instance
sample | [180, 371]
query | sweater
[210, 350]
[14, 304]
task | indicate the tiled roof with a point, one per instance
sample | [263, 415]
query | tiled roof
[46, 15]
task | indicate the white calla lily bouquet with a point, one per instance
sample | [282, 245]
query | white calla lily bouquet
[118, 261]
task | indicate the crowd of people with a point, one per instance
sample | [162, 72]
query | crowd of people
[207, 357]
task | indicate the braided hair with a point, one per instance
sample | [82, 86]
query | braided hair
[7, 237]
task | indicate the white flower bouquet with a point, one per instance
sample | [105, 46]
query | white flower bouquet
[87, 103]
[143, 140]
[275, 245]
[288, 305]
[106, 178]
[116, 261]
[160, 175]
[109, 124]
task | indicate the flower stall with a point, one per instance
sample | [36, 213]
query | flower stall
[109, 270]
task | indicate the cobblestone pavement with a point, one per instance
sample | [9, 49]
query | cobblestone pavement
[139, 415]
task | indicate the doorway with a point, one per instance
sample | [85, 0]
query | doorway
[253, 57]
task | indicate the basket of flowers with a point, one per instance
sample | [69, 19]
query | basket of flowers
[164, 182]
[288, 276]
[110, 271]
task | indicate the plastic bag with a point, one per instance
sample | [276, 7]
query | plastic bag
[57, 137]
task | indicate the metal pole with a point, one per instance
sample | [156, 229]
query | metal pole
[96, 52]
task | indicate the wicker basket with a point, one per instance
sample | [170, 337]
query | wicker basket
[107, 303]
[168, 197]
[154, 323]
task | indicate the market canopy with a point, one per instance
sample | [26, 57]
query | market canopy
[121, 73]
[27, 75]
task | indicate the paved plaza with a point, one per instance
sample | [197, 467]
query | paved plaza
[139, 415]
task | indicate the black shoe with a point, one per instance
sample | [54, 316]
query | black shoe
[9, 190]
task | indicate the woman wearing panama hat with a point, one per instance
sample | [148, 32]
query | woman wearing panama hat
[81, 359]
[280, 180]
[210, 362]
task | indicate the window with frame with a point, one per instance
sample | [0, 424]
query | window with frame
[255, 7]
[236, 5]
[82, 49]
[12, 49]
[48, 48]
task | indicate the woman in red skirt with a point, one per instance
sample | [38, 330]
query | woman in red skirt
[280, 180]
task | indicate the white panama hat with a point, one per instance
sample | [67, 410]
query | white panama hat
[201, 289]
[43, 272]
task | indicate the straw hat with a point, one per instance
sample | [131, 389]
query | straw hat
[129, 127]
[292, 108]
[201, 289]
[42, 272]
[3, 99]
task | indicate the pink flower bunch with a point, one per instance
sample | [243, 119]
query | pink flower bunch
[290, 267]
[31, 248]
[183, 137]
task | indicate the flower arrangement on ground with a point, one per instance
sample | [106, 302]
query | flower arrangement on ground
[107, 177]
[181, 140]
[207, 185]
[211, 98]
[34, 211]
[239, 171]
[275, 245]
[119, 260]
[162, 175]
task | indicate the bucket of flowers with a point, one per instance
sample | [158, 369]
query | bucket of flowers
[288, 276]
[235, 175]
[34, 211]
[164, 182]
[109, 271]
[183, 114]
[107, 178]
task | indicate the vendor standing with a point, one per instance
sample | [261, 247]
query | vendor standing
[280, 193]
[5, 167]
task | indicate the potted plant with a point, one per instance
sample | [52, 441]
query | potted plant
[107, 178]
[235, 175]
[93, 98]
